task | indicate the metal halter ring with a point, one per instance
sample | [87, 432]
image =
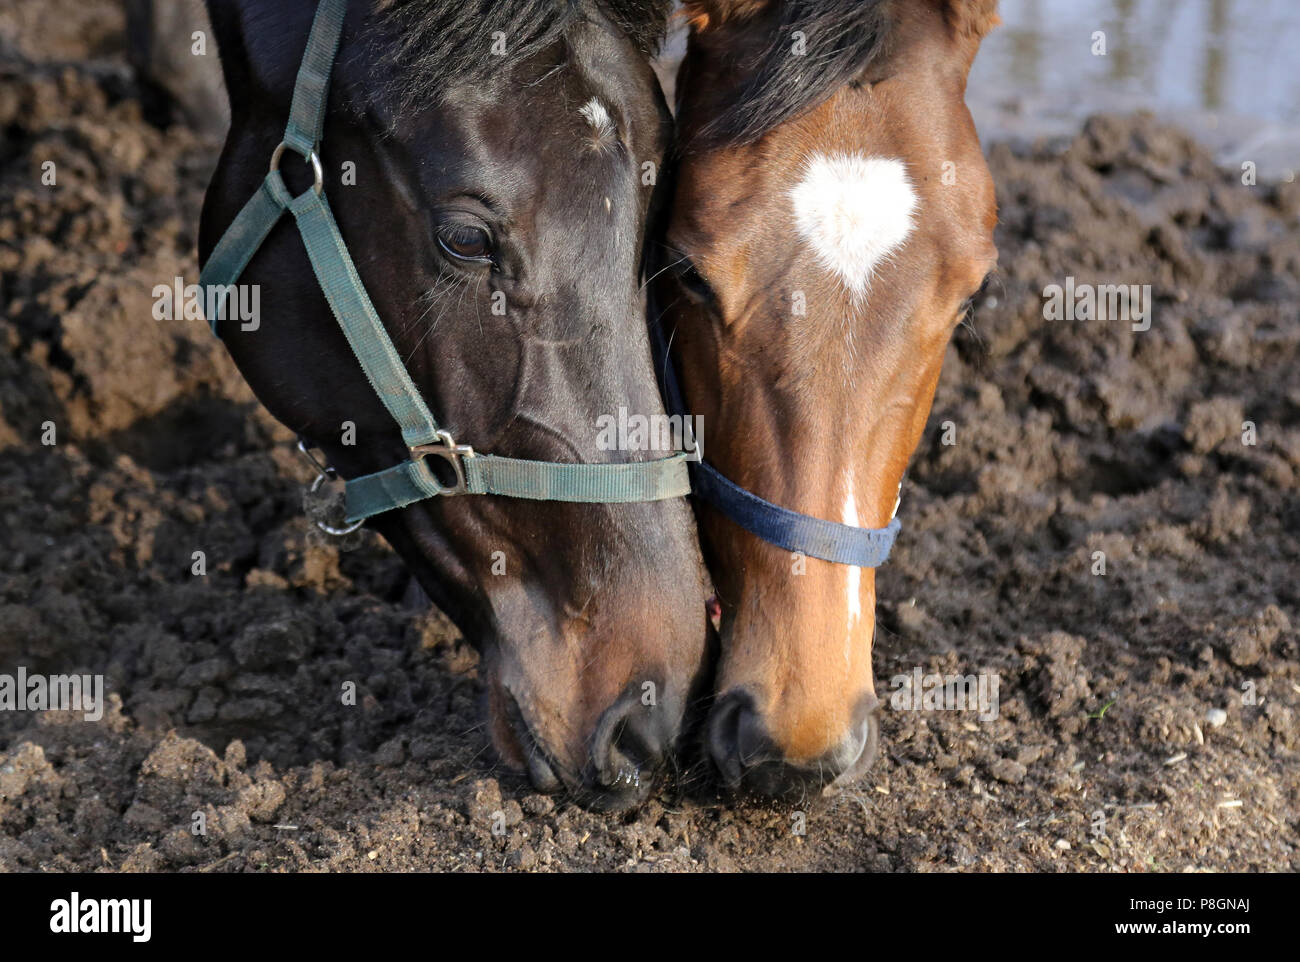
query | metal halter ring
[324, 473]
[330, 529]
[311, 158]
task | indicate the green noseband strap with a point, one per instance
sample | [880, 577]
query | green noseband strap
[413, 481]
[455, 469]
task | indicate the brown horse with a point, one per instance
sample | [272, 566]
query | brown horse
[833, 216]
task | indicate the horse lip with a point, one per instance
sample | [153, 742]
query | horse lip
[866, 756]
[544, 771]
[540, 771]
[713, 608]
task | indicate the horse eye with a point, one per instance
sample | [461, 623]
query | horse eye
[466, 243]
[967, 309]
[689, 276]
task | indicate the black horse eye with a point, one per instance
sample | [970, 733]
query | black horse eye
[466, 243]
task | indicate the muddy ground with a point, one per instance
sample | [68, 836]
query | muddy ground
[1071, 438]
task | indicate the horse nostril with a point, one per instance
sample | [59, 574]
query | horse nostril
[737, 738]
[858, 752]
[744, 751]
[629, 744]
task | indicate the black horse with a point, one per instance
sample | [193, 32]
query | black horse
[491, 167]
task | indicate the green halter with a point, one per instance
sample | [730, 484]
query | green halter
[411, 480]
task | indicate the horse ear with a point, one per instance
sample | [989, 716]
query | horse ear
[701, 14]
[972, 19]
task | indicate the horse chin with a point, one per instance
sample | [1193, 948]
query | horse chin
[513, 739]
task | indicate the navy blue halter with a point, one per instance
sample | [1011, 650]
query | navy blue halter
[814, 537]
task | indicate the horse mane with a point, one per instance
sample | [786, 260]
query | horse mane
[445, 43]
[842, 37]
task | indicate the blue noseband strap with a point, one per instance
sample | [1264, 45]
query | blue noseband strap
[814, 537]
[827, 540]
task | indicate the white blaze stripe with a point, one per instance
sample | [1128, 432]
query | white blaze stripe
[854, 211]
[854, 578]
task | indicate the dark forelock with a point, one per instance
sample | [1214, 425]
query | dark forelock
[443, 44]
[842, 39]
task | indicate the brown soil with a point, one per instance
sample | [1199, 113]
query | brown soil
[1071, 438]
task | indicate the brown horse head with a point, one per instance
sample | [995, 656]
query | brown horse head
[833, 215]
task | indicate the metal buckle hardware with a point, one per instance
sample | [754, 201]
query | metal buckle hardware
[453, 454]
[311, 158]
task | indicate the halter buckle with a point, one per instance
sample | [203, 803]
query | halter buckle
[453, 454]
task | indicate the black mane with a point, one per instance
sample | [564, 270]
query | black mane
[842, 38]
[447, 43]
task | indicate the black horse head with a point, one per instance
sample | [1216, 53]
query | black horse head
[491, 168]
